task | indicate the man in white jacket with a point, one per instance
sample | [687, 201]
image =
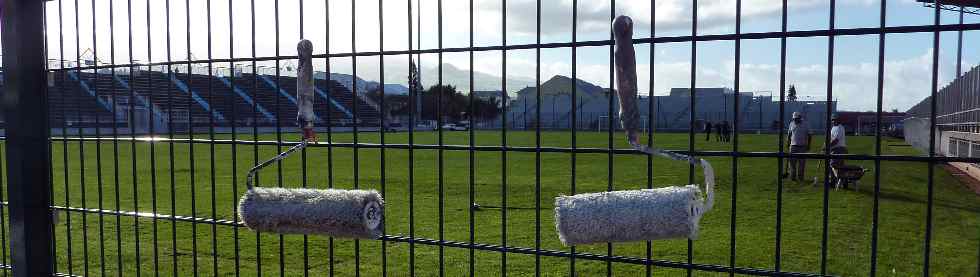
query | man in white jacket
[838, 141]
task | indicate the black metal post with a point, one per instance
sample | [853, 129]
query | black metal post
[28, 167]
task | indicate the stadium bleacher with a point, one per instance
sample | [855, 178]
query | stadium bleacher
[88, 99]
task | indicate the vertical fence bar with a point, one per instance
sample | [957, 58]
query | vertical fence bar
[98, 150]
[255, 132]
[98, 153]
[881, 92]
[537, 143]
[413, 93]
[503, 141]
[650, 122]
[152, 144]
[115, 136]
[354, 99]
[170, 148]
[383, 126]
[571, 260]
[211, 124]
[932, 140]
[690, 131]
[64, 141]
[28, 134]
[81, 144]
[234, 134]
[132, 135]
[330, 245]
[441, 151]
[734, 133]
[826, 151]
[278, 87]
[190, 134]
[471, 152]
[779, 140]
[610, 157]
[6, 221]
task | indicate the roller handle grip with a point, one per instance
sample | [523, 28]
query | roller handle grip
[251, 172]
[305, 116]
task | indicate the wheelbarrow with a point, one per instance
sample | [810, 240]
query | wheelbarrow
[846, 174]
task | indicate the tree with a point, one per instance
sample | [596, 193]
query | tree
[791, 95]
[415, 83]
[391, 103]
[454, 106]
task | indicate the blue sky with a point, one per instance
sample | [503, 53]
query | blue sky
[907, 70]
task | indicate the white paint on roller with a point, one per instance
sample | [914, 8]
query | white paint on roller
[632, 215]
[332, 212]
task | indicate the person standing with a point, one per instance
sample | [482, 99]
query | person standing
[707, 130]
[727, 131]
[718, 131]
[838, 142]
[799, 142]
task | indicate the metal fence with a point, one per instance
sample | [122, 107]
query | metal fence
[43, 245]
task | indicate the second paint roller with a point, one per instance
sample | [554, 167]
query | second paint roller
[333, 212]
[634, 215]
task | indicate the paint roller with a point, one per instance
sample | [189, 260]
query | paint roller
[634, 215]
[333, 212]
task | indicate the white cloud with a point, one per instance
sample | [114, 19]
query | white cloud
[593, 16]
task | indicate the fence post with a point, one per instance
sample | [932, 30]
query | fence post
[25, 104]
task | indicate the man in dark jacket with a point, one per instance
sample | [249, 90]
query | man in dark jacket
[707, 130]
[718, 130]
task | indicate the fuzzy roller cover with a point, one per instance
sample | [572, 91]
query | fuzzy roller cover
[333, 212]
[634, 215]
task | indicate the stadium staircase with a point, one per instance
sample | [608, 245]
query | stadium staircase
[74, 101]
[115, 85]
[269, 117]
[203, 103]
[287, 88]
[271, 100]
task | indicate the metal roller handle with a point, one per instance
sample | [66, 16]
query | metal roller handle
[629, 112]
[251, 172]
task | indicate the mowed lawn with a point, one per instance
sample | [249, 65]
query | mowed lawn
[206, 183]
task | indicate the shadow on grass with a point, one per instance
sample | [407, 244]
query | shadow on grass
[905, 197]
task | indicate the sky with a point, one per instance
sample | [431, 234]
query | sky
[74, 32]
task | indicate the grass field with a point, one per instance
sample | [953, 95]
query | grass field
[203, 183]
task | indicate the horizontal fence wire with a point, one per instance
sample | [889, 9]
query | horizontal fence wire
[188, 93]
